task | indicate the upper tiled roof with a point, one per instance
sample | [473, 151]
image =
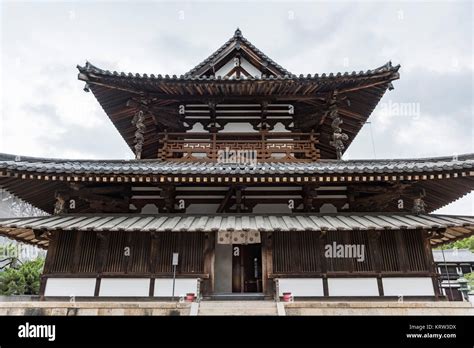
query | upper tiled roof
[89, 68]
[45, 165]
[238, 37]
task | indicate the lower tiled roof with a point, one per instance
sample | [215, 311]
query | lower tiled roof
[450, 227]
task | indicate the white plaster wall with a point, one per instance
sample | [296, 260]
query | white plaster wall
[124, 287]
[272, 209]
[202, 208]
[353, 287]
[251, 69]
[223, 268]
[301, 287]
[408, 286]
[226, 68]
[149, 209]
[70, 287]
[164, 287]
[328, 208]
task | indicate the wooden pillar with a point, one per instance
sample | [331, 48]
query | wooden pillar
[43, 280]
[102, 252]
[152, 261]
[402, 251]
[51, 254]
[429, 261]
[209, 253]
[376, 253]
[322, 241]
[267, 263]
[132, 249]
[77, 251]
[49, 262]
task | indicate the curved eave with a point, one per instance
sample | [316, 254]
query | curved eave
[36, 179]
[113, 90]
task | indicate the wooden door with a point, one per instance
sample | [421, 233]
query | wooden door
[247, 268]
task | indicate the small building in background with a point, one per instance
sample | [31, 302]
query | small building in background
[454, 264]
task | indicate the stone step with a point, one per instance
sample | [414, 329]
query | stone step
[237, 304]
[237, 308]
[236, 312]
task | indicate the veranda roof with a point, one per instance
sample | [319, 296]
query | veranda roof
[30, 229]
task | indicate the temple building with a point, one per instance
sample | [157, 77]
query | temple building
[239, 172]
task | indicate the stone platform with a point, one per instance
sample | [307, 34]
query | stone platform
[63, 308]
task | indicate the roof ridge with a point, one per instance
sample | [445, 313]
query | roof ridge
[20, 158]
[235, 38]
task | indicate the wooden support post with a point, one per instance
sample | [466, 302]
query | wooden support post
[402, 251]
[51, 254]
[77, 252]
[129, 241]
[152, 262]
[267, 262]
[429, 261]
[376, 255]
[209, 252]
[322, 241]
[102, 253]
[42, 288]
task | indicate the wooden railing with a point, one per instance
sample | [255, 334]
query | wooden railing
[264, 146]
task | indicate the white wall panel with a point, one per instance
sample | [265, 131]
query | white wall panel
[124, 287]
[301, 287]
[70, 287]
[353, 287]
[164, 287]
[408, 286]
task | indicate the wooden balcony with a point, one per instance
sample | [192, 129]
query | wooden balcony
[263, 147]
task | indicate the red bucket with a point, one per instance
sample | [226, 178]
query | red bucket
[190, 297]
[287, 297]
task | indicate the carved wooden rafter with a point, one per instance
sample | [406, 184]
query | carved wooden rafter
[139, 122]
[60, 205]
[107, 199]
[338, 137]
[379, 197]
[168, 193]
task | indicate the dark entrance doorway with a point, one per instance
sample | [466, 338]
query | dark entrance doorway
[247, 268]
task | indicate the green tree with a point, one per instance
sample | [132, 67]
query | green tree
[24, 280]
[466, 243]
[470, 279]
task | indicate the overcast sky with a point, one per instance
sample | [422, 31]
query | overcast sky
[45, 112]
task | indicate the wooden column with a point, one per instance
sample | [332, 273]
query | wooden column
[77, 251]
[49, 262]
[376, 252]
[51, 254]
[102, 249]
[429, 261]
[154, 249]
[322, 241]
[209, 252]
[267, 263]
[402, 251]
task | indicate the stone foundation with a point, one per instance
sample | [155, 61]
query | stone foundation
[235, 308]
[379, 308]
[94, 308]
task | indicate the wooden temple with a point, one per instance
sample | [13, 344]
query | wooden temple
[238, 170]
